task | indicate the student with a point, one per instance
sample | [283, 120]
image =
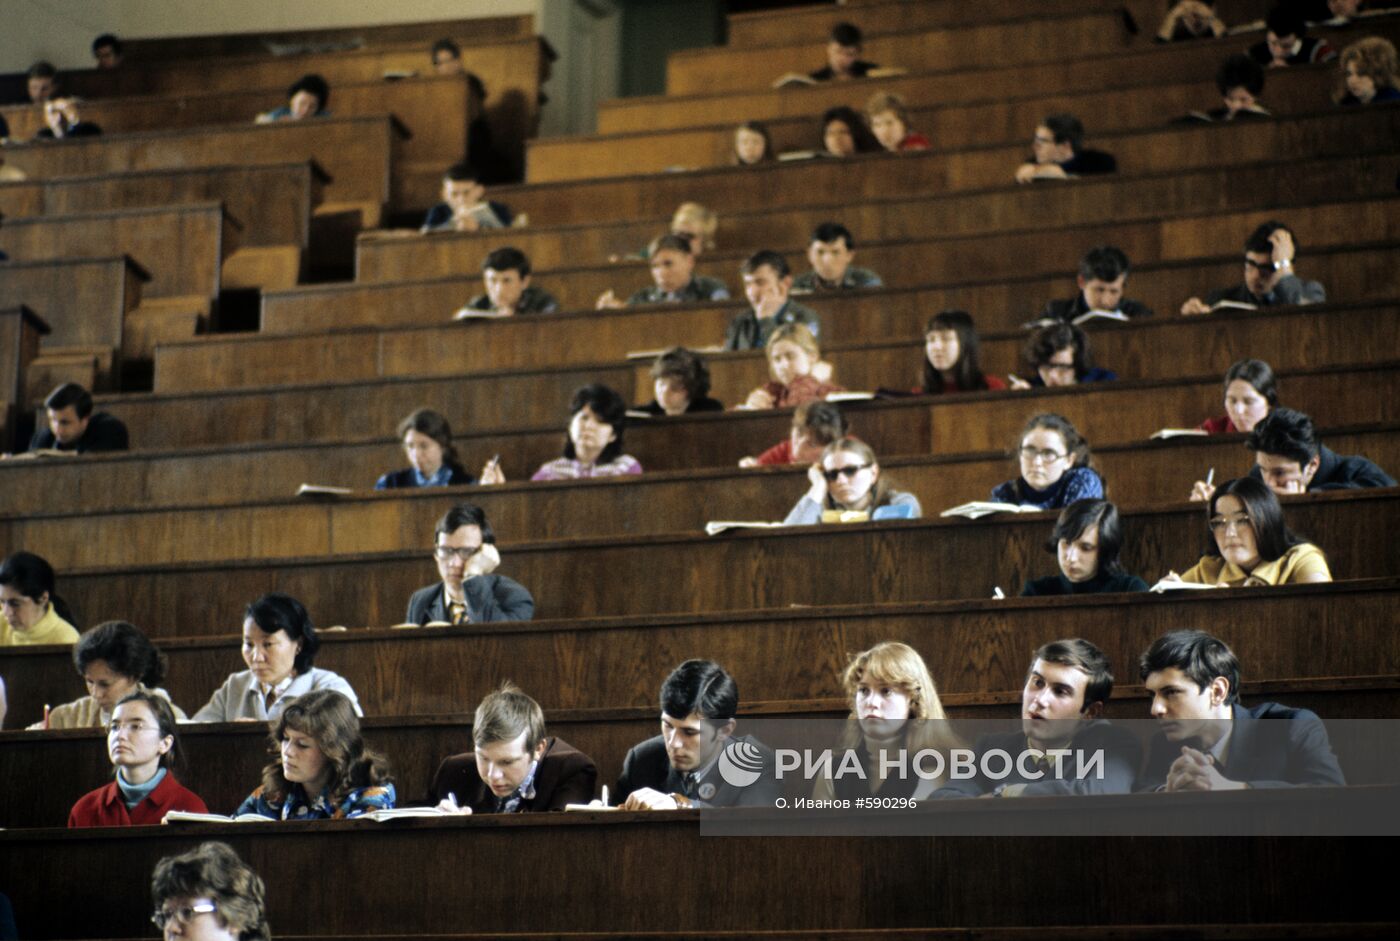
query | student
[41, 81]
[1059, 356]
[427, 440]
[768, 286]
[793, 357]
[843, 59]
[1058, 152]
[107, 51]
[515, 767]
[1190, 19]
[322, 769]
[505, 273]
[1250, 545]
[679, 768]
[831, 251]
[1269, 275]
[1055, 467]
[73, 426]
[1240, 81]
[1250, 393]
[1208, 741]
[889, 122]
[115, 660]
[279, 647]
[1067, 685]
[1333, 12]
[814, 426]
[673, 272]
[447, 57]
[32, 612]
[1286, 41]
[847, 480]
[951, 351]
[593, 446]
[697, 225]
[1086, 541]
[1370, 72]
[209, 894]
[464, 206]
[464, 548]
[680, 380]
[753, 144]
[141, 743]
[894, 707]
[308, 97]
[1103, 273]
[62, 121]
[844, 133]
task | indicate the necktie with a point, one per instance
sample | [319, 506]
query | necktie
[459, 613]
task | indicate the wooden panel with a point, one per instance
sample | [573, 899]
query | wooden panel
[84, 302]
[20, 330]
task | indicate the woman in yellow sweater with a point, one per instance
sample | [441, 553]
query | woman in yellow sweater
[30, 615]
[1252, 546]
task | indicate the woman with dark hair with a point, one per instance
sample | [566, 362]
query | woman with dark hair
[1059, 356]
[1251, 392]
[279, 646]
[32, 613]
[593, 447]
[951, 349]
[752, 144]
[141, 742]
[427, 440]
[209, 894]
[844, 133]
[115, 660]
[1086, 541]
[1055, 466]
[681, 383]
[321, 768]
[1250, 545]
[847, 483]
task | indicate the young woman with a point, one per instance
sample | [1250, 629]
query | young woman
[141, 743]
[209, 894]
[1055, 466]
[593, 447]
[950, 356]
[1086, 541]
[1250, 545]
[427, 440]
[1059, 356]
[115, 660]
[1370, 72]
[848, 479]
[814, 426]
[844, 133]
[889, 121]
[793, 355]
[1251, 392]
[279, 647]
[30, 612]
[681, 383]
[894, 706]
[752, 144]
[321, 768]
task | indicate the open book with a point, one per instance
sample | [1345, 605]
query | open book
[595, 806]
[322, 490]
[1232, 305]
[652, 354]
[1115, 315]
[1176, 584]
[850, 396]
[719, 526]
[1164, 434]
[187, 816]
[793, 80]
[467, 313]
[980, 508]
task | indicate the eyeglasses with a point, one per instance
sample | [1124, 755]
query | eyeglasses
[1038, 139]
[849, 472]
[163, 916]
[1029, 453]
[465, 553]
[1220, 524]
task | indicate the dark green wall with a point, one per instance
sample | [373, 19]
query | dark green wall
[653, 28]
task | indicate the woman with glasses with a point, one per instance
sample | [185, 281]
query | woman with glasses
[208, 894]
[464, 548]
[1055, 467]
[1250, 545]
[141, 744]
[1086, 541]
[846, 486]
[279, 647]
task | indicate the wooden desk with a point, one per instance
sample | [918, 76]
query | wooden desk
[84, 301]
[20, 330]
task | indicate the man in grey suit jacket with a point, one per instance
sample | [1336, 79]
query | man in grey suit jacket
[465, 551]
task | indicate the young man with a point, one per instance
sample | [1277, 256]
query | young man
[1289, 458]
[1240, 81]
[673, 275]
[1057, 152]
[1103, 273]
[506, 276]
[73, 426]
[107, 51]
[767, 285]
[42, 82]
[465, 551]
[679, 767]
[1061, 709]
[308, 97]
[1286, 43]
[447, 57]
[515, 767]
[464, 206]
[843, 59]
[1207, 741]
[63, 120]
[831, 252]
[1269, 276]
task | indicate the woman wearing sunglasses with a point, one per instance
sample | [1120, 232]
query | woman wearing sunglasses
[847, 487]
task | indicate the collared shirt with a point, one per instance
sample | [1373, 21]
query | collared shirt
[533, 300]
[810, 282]
[525, 792]
[262, 690]
[441, 478]
[747, 332]
[456, 610]
[1221, 751]
[698, 288]
[133, 794]
[567, 468]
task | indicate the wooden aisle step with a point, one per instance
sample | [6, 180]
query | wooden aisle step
[85, 302]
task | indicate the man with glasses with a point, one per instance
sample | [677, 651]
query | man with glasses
[1057, 152]
[465, 551]
[1269, 276]
[208, 892]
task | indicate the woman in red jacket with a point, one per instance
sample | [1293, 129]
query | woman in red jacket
[141, 743]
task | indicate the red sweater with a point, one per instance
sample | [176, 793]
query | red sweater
[1218, 426]
[104, 807]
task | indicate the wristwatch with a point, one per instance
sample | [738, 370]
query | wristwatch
[1283, 265]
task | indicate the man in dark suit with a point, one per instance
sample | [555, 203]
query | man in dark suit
[515, 767]
[465, 551]
[1207, 741]
[697, 760]
[1103, 272]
